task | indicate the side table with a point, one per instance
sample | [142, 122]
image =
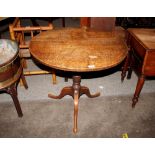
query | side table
[78, 50]
[141, 57]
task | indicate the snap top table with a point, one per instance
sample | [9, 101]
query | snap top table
[78, 50]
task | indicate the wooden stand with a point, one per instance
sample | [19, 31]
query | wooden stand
[76, 90]
[78, 50]
[140, 58]
[12, 90]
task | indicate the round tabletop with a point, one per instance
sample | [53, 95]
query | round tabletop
[78, 49]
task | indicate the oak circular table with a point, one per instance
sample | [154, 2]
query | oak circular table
[78, 50]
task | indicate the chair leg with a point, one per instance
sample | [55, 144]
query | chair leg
[24, 63]
[54, 77]
[12, 90]
[21, 82]
[24, 81]
[63, 21]
[23, 60]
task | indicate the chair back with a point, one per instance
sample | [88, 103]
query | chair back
[99, 23]
[23, 34]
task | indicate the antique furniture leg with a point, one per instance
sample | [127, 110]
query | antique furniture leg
[12, 90]
[76, 90]
[139, 86]
[76, 101]
[85, 90]
[125, 68]
[24, 81]
[66, 79]
[54, 77]
[24, 63]
[63, 21]
[129, 71]
[130, 65]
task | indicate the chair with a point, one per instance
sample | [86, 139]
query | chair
[106, 24]
[99, 23]
[23, 34]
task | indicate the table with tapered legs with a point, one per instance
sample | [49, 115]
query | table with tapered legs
[141, 57]
[78, 50]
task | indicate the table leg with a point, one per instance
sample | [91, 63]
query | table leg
[12, 90]
[85, 90]
[76, 87]
[139, 87]
[65, 91]
[130, 65]
[76, 102]
[125, 67]
[76, 90]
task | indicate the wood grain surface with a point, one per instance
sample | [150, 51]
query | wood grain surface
[78, 49]
[145, 36]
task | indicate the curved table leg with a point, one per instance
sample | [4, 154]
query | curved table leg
[76, 90]
[85, 90]
[64, 91]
